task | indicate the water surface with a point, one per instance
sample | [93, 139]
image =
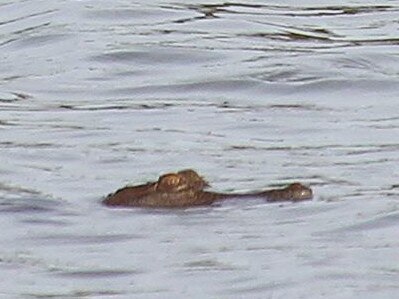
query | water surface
[98, 94]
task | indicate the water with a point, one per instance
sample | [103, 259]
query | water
[98, 94]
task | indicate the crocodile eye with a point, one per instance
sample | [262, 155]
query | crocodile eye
[168, 182]
[172, 180]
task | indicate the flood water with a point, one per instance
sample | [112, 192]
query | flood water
[95, 95]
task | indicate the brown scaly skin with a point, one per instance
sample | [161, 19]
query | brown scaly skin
[293, 192]
[182, 199]
[190, 198]
[185, 189]
[182, 180]
[195, 181]
[167, 183]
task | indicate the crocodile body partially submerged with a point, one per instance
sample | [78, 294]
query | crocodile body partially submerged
[186, 189]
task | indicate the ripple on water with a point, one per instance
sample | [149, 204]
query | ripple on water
[388, 220]
[157, 56]
[74, 239]
[95, 274]
[208, 265]
[129, 16]
[13, 97]
[14, 199]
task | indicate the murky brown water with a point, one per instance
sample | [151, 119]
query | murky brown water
[98, 94]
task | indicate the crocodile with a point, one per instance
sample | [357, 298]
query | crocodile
[187, 189]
